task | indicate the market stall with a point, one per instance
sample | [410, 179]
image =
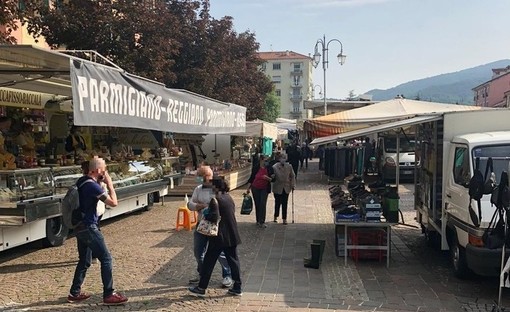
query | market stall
[127, 120]
[228, 154]
[363, 117]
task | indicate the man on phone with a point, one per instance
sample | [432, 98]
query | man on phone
[90, 240]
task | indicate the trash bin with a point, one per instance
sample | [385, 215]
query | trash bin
[390, 205]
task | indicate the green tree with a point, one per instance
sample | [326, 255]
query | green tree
[272, 106]
[12, 13]
[172, 41]
[352, 95]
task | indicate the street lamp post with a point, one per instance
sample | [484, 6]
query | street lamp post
[313, 91]
[317, 58]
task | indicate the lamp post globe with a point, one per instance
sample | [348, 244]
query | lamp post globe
[324, 45]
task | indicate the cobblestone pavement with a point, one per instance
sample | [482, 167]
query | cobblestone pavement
[153, 262]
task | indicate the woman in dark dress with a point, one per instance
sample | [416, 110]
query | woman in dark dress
[259, 184]
[227, 240]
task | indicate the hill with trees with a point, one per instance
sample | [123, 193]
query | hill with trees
[453, 87]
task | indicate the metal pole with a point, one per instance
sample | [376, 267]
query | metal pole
[324, 65]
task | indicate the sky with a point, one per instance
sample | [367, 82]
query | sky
[387, 42]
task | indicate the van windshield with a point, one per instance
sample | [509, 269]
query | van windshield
[390, 145]
[500, 155]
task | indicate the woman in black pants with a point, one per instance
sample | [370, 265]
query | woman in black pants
[227, 240]
[284, 183]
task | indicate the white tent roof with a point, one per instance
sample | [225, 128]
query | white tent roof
[375, 129]
[259, 128]
[375, 114]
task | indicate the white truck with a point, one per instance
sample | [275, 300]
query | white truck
[450, 148]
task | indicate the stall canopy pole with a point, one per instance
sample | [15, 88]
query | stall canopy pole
[397, 167]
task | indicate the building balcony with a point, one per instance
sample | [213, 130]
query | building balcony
[296, 72]
[296, 114]
[296, 98]
[296, 85]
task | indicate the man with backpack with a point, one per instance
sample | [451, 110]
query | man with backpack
[90, 240]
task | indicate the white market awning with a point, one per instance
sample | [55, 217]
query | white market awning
[376, 129]
[104, 95]
[260, 129]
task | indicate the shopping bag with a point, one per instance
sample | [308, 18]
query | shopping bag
[247, 205]
[207, 227]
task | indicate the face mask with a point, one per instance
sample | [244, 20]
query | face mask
[199, 180]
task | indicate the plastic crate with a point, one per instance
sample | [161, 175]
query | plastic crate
[367, 237]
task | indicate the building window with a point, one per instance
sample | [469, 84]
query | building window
[297, 66]
[295, 108]
[277, 79]
[263, 66]
[277, 66]
[297, 80]
[278, 92]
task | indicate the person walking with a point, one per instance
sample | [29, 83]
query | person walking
[294, 157]
[89, 239]
[259, 184]
[202, 195]
[222, 206]
[284, 183]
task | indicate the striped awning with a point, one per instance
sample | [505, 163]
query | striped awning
[376, 114]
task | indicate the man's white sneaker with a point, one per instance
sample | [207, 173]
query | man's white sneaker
[227, 282]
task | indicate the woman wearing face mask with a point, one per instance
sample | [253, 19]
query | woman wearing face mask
[199, 201]
[284, 183]
[260, 186]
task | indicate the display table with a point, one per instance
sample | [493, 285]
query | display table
[366, 225]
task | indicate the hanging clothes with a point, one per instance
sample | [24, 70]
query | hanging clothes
[267, 146]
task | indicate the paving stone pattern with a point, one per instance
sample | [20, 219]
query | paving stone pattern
[153, 262]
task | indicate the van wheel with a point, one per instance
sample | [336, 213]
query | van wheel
[150, 201]
[56, 232]
[458, 258]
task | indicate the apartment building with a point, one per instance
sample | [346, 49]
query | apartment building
[495, 92]
[291, 74]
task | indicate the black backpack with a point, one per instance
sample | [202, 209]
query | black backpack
[71, 213]
[476, 185]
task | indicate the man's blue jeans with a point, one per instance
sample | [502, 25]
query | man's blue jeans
[91, 243]
[200, 243]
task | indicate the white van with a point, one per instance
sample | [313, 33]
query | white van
[387, 157]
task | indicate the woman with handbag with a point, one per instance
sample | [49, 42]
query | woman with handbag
[222, 210]
[199, 201]
[260, 185]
